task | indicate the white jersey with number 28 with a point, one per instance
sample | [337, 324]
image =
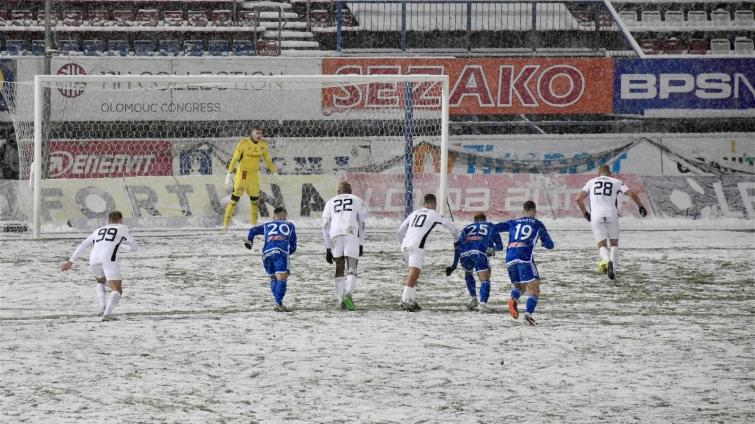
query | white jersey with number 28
[415, 229]
[604, 192]
[343, 215]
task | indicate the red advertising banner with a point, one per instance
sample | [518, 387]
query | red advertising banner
[484, 86]
[500, 196]
[101, 159]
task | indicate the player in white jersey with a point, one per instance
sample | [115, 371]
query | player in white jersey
[604, 215]
[106, 243]
[413, 234]
[343, 221]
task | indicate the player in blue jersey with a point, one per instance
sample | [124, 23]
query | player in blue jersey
[476, 242]
[280, 242]
[523, 234]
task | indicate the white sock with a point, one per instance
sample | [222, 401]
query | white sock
[615, 256]
[604, 254]
[409, 294]
[112, 302]
[340, 288]
[100, 288]
[351, 283]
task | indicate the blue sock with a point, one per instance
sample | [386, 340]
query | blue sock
[280, 292]
[273, 285]
[516, 294]
[484, 291]
[471, 287]
[531, 303]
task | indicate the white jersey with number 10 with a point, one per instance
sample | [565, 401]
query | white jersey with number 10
[415, 229]
[604, 192]
[343, 215]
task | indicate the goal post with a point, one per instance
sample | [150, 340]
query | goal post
[369, 117]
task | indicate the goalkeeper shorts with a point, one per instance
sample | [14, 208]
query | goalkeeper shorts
[246, 181]
[275, 261]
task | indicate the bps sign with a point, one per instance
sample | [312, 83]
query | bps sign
[479, 86]
[107, 159]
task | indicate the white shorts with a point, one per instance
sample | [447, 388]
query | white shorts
[414, 257]
[110, 270]
[605, 227]
[345, 246]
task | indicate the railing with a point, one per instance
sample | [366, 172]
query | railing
[261, 6]
[524, 25]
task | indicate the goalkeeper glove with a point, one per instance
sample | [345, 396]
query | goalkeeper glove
[490, 251]
[328, 256]
[450, 270]
[361, 250]
[248, 244]
[643, 211]
[228, 181]
[587, 216]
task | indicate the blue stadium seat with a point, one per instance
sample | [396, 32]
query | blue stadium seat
[93, 47]
[38, 47]
[243, 48]
[169, 47]
[118, 47]
[144, 47]
[193, 47]
[68, 46]
[17, 47]
[217, 47]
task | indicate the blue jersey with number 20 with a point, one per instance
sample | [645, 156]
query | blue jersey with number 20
[523, 234]
[279, 235]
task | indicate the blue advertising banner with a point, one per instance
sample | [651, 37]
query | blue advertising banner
[642, 85]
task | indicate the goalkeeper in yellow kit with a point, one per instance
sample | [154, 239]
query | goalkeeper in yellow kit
[247, 156]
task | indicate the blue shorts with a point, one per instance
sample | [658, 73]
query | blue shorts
[475, 262]
[275, 261]
[523, 272]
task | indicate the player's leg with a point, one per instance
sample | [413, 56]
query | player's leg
[268, 263]
[600, 233]
[613, 235]
[114, 280]
[280, 292]
[231, 206]
[534, 289]
[337, 247]
[253, 189]
[516, 292]
[484, 276]
[472, 289]
[351, 252]
[99, 288]
[415, 259]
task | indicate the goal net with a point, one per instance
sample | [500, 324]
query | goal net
[158, 147]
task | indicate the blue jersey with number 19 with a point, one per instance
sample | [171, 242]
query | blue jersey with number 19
[279, 235]
[523, 234]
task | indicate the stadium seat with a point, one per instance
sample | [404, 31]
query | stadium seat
[123, 17]
[268, 48]
[41, 18]
[144, 47]
[629, 17]
[674, 17]
[193, 48]
[93, 47]
[720, 46]
[68, 46]
[217, 47]
[3, 17]
[73, 18]
[222, 18]
[98, 18]
[197, 18]
[38, 47]
[243, 48]
[17, 47]
[697, 46]
[583, 17]
[651, 18]
[173, 17]
[720, 17]
[649, 45]
[169, 47]
[147, 17]
[743, 17]
[118, 47]
[696, 18]
[743, 45]
[21, 17]
[670, 46]
[249, 18]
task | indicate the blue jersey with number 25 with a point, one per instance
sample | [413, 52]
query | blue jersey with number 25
[523, 234]
[279, 235]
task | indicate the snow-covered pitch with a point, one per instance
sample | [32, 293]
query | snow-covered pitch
[671, 340]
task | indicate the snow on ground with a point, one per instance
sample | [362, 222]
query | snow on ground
[197, 341]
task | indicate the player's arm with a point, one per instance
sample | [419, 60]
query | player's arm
[450, 226]
[545, 238]
[231, 166]
[268, 160]
[253, 232]
[581, 201]
[501, 227]
[497, 241]
[632, 195]
[401, 233]
[131, 242]
[292, 241]
[76, 253]
[326, 218]
[453, 266]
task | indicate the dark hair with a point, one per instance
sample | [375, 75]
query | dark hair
[480, 217]
[344, 187]
[430, 198]
[529, 206]
[279, 209]
[114, 216]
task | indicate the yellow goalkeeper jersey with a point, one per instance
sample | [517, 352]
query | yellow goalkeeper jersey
[247, 155]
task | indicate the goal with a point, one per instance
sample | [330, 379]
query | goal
[158, 147]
